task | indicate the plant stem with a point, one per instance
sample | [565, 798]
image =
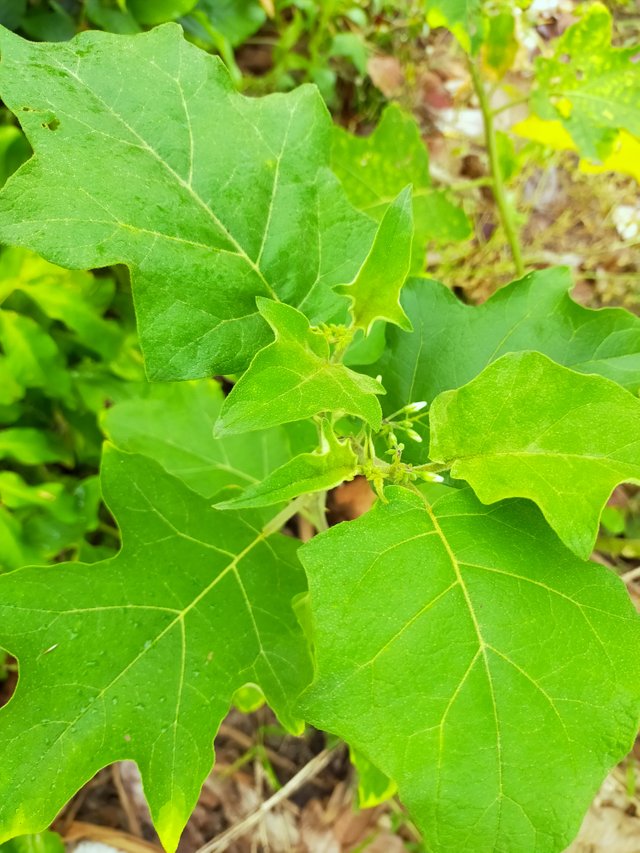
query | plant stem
[499, 193]
[515, 103]
[282, 517]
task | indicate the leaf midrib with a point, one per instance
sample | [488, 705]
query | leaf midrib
[179, 619]
[177, 177]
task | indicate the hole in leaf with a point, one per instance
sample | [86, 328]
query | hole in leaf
[27, 109]
[8, 676]
[53, 124]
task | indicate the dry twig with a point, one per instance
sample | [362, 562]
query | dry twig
[315, 766]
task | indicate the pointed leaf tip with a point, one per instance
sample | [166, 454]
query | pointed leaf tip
[375, 291]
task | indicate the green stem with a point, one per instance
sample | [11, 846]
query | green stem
[499, 193]
[515, 103]
[432, 467]
[312, 506]
[284, 515]
[461, 186]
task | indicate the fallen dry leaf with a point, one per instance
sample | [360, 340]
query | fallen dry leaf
[386, 74]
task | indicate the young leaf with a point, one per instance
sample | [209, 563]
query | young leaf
[293, 379]
[500, 44]
[527, 427]
[334, 463]
[120, 177]
[462, 17]
[173, 424]
[535, 313]
[375, 291]
[476, 662]
[138, 657]
[374, 169]
[591, 87]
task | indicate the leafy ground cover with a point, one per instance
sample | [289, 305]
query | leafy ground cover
[303, 303]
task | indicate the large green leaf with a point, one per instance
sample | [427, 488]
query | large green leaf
[173, 424]
[527, 427]
[453, 342]
[477, 662]
[293, 379]
[590, 86]
[374, 169]
[161, 183]
[139, 656]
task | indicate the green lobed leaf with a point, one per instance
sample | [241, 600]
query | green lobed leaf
[453, 342]
[527, 427]
[132, 180]
[333, 463]
[293, 379]
[374, 293]
[590, 86]
[155, 642]
[475, 661]
[375, 168]
[173, 424]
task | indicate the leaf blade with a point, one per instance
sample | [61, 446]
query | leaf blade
[527, 427]
[533, 313]
[152, 621]
[147, 192]
[590, 86]
[334, 463]
[375, 291]
[411, 659]
[293, 378]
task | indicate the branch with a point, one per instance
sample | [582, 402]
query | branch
[315, 766]
[504, 208]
